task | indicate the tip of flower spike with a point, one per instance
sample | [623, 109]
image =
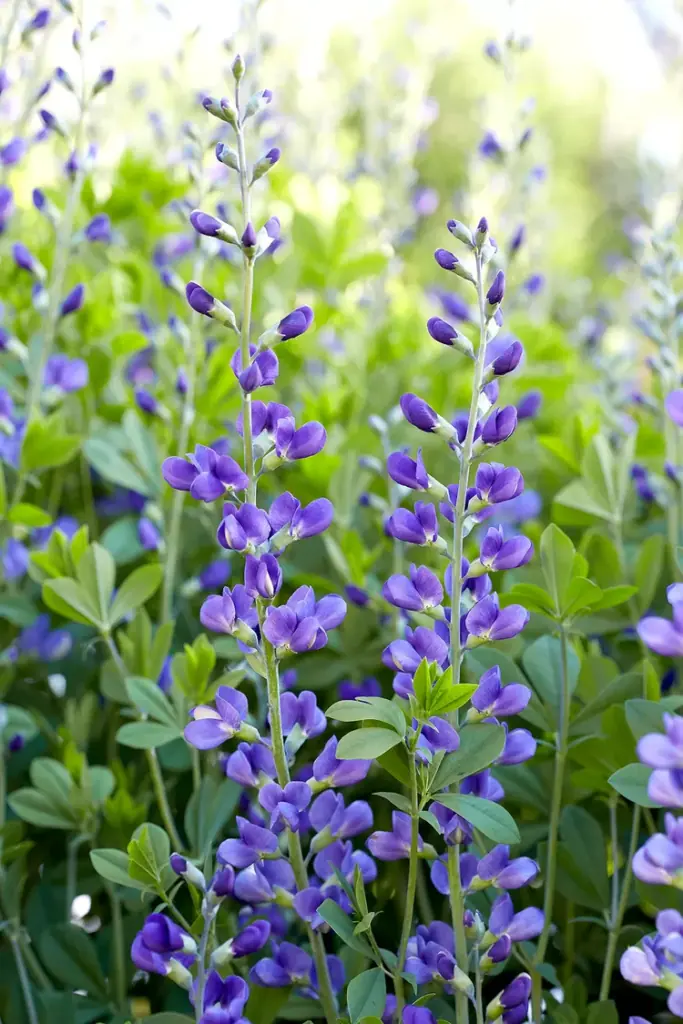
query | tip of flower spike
[249, 236]
[495, 294]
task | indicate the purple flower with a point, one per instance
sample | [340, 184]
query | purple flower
[527, 924]
[440, 330]
[74, 300]
[417, 527]
[289, 519]
[40, 641]
[446, 260]
[438, 734]
[493, 700]
[660, 860]
[25, 260]
[508, 360]
[253, 844]
[292, 443]
[243, 528]
[405, 655]
[262, 371]
[497, 554]
[262, 576]
[15, 559]
[329, 815]
[490, 147]
[146, 401]
[328, 770]
[661, 635]
[496, 483]
[419, 414]
[394, 845]
[285, 804]
[251, 764]
[487, 623]
[498, 870]
[289, 965]
[215, 574]
[211, 726]
[513, 1002]
[302, 623]
[39, 20]
[161, 947]
[368, 687]
[99, 229]
[231, 612]
[295, 323]
[65, 374]
[225, 999]
[520, 746]
[149, 534]
[417, 1015]
[409, 472]
[499, 425]
[673, 404]
[529, 405]
[6, 202]
[301, 712]
[12, 152]
[494, 295]
[206, 474]
[419, 593]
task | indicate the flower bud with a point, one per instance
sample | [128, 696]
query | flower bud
[212, 227]
[64, 79]
[52, 123]
[187, 870]
[203, 302]
[461, 232]
[248, 240]
[482, 232]
[263, 165]
[227, 156]
[258, 102]
[238, 67]
[494, 295]
[103, 82]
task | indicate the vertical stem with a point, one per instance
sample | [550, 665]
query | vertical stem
[152, 761]
[296, 856]
[118, 953]
[614, 840]
[201, 965]
[554, 824]
[618, 917]
[412, 885]
[196, 770]
[457, 915]
[24, 981]
[247, 300]
[479, 1006]
[463, 480]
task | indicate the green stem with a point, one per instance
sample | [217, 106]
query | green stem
[152, 761]
[618, 917]
[201, 966]
[457, 914]
[614, 840]
[24, 981]
[118, 953]
[409, 908]
[554, 824]
[196, 770]
[33, 963]
[296, 856]
[463, 479]
[479, 1005]
[247, 301]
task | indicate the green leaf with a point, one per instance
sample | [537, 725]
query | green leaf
[71, 957]
[577, 496]
[47, 445]
[113, 466]
[264, 1003]
[581, 595]
[366, 994]
[616, 692]
[122, 542]
[68, 598]
[648, 569]
[612, 597]
[135, 590]
[38, 809]
[366, 744]
[491, 819]
[208, 810]
[52, 779]
[557, 562]
[29, 515]
[395, 761]
[397, 800]
[602, 1013]
[343, 926]
[542, 663]
[101, 783]
[146, 735]
[113, 865]
[96, 573]
[534, 598]
[645, 716]
[148, 853]
[480, 745]
[631, 782]
[583, 840]
[149, 699]
[422, 684]
[375, 709]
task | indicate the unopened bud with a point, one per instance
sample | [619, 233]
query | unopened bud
[238, 67]
[263, 165]
[258, 102]
[461, 232]
[227, 156]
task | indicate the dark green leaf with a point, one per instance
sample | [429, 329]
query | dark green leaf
[135, 590]
[70, 956]
[480, 745]
[366, 994]
[113, 865]
[489, 818]
[366, 744]
[631, 782]
[377, 709]
[38, 809]
[343, 926]
[583, 840]
[146, 735]
[149, 699]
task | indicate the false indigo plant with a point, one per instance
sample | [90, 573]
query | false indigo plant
[485, 833]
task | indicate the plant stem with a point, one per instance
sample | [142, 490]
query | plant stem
[479, 1005]
[24, 981]
[247, 300]
[618, 916]
[554, 824]
[614, 840]
[296, 856]
[201, 966]
[463, 480]
[457, 915]
[196, 770]
[412, 885]
[118, 950]
[152, 761]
